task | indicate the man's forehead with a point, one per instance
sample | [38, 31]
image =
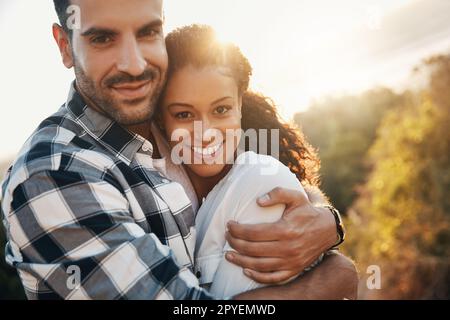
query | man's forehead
[118, 14]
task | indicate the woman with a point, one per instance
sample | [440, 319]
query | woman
[207, 91]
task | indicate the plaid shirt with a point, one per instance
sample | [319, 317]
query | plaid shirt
[88, 216]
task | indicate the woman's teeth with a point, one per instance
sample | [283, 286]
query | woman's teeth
[207, 151]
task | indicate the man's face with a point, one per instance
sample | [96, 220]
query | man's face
[120, 58]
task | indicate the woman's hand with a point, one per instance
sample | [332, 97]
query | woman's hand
[273, 253]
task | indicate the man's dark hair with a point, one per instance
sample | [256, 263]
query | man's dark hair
[61, 11]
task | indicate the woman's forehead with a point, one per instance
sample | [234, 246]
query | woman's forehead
[208, 83]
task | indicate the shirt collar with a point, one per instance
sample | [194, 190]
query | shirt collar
[111, 135]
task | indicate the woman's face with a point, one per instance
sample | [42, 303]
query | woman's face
[205, 104]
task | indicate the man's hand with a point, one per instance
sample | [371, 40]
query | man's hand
[272, 253]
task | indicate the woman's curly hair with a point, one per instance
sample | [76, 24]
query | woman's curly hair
[197, 46]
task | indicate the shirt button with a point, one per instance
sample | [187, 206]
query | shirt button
[198, 274]
[165, 181]
[147, 147]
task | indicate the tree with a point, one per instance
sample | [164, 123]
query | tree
[343, 129]
[402, 219]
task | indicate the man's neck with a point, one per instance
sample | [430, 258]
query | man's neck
[142, 129]
[88, 101]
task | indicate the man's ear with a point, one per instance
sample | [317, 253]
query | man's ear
[62, 40]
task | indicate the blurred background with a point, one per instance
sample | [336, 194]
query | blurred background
[367, 81]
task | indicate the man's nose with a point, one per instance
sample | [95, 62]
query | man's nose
[130, 59]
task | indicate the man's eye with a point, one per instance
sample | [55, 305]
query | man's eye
[150, 33]
[183, 115]
[101, 40]
[222, 109]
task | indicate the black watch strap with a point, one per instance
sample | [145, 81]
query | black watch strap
[339, 225]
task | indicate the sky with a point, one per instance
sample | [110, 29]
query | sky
[301, 50]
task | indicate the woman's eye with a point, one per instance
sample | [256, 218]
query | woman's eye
[222, 109]
[183, 115]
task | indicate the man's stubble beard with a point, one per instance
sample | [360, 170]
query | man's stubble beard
[106, 104]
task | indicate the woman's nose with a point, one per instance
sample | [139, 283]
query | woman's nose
[210, 132]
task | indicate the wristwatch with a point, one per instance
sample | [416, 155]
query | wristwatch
[339, 225]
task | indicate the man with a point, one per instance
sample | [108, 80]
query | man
[88, 214]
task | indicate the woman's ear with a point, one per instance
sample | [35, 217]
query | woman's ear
[63, 42]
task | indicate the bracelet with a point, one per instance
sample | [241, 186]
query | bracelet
[339, 225]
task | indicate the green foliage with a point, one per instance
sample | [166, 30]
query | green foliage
[386, 164]
[402, 219]
[343, 129]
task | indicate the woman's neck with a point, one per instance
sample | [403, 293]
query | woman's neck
[204, 185]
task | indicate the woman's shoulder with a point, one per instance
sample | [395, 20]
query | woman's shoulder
[256, 168]
[253, 160]
[255, 174]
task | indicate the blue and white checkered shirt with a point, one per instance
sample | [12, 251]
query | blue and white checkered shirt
[88, 216]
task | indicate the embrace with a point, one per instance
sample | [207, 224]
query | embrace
[135, 188]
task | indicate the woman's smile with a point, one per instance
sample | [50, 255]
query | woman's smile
[209, 153]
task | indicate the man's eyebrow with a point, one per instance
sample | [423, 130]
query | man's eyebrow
[97, 31]
[111, 32]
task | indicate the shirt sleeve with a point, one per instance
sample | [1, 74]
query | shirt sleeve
[239, 203]
[75, 236]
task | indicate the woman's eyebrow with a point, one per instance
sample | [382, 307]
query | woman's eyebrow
[221, 99]
[187, 105]
[180, 104]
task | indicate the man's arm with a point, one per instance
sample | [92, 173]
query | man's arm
[74, 234]
[335, 278]
[271, 253]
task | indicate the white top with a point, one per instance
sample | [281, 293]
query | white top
[234, 198]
